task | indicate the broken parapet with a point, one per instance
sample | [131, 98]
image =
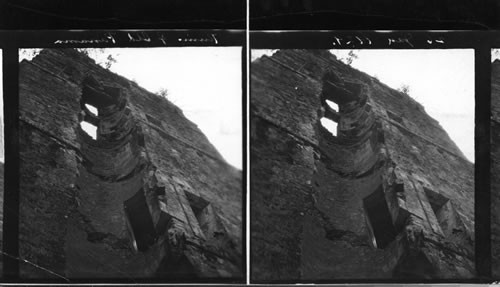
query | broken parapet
[388, 196]
[150, 197]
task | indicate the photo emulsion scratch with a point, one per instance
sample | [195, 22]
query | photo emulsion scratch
[380, 193]
[36, 266]
[142, 194]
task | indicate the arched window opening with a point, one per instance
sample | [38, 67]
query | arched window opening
[89, 129]
[329, 125]
[139, 222]
[378, 219]
[90, 103]
[200, 209]
[334, 106]
[93, 110]
[444, 212]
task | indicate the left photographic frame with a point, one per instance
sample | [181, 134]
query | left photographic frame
[131, 156]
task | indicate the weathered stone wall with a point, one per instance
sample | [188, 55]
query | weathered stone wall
[151, 197]
[495, 169]
[391, 175]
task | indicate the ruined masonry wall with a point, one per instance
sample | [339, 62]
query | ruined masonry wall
[73, 189]
[316, 186]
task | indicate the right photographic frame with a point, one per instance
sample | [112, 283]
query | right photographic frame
[495, 163]
[362, 151]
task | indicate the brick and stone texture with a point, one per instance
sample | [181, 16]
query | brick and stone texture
[150, 197]
[389, 196]
[495, 169]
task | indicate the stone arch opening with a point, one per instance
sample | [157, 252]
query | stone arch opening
[350, 146]
[329, 125]
[89, 129]
[139, 222]
[378, 219]
[114, 152]
[334, 106]
[112, 171]
[92, 110]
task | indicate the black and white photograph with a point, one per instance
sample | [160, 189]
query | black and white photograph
[131, 164]
[362, 165]
[307, 157]
[250, 143]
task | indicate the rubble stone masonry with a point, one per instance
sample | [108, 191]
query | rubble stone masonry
[389, 196]
[150, 197]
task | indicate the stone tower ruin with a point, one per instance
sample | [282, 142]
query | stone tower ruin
[388, 196]
[150, 197]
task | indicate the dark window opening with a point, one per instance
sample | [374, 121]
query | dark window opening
[378, 218]
[163, 223]
[199, 206]
[164, 220]
[443, 210]
[139, 221]
[95, 94]
[329, 125]
[435, 199]
[159, 191]
[197, 202]
[337, 93]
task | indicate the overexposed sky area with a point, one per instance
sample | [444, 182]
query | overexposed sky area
[441, 80]
[205, 82]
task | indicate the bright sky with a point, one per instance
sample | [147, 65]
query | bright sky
[441, 80]
[205, 82]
